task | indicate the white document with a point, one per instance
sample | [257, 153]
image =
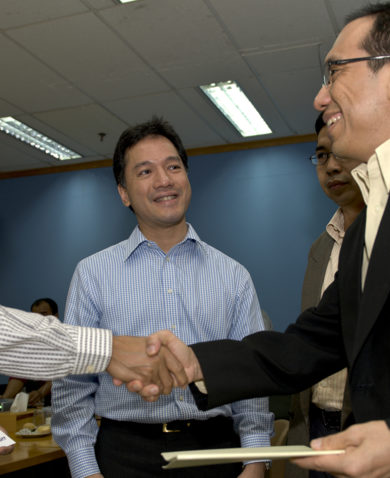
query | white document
[183, 459]
[5, 440]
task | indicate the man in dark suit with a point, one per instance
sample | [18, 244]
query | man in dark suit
[323, 409]
[351, 325]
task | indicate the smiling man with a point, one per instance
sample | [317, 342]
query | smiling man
[163, 276]
[350, 326]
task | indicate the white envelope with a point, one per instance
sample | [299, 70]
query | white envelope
[183, 459]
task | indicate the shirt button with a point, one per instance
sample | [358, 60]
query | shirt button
[181, 398]
[90, 369]
[167, 259]
[173, 327]
[170, 291]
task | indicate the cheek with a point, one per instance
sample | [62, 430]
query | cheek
[322, 179]
[186, 187]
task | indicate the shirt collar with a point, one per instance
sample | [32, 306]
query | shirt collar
[383, 155]
[137, 238]
[335, 227]
[361, 172]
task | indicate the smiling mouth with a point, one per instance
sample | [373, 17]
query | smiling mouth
[333, 119]
[166, 198]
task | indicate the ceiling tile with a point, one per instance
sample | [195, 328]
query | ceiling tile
[172, 34]
[84, 124]
[30, 85]
[90, 55]
[16, 13]
[264, 24]
[169, 105]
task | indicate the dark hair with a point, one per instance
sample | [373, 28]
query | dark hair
[377, 41]
[319, 124]
[53, 305]
[132, 135]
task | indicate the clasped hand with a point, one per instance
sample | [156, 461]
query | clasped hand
[153, 365]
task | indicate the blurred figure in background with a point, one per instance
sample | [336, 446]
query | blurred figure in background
[39, 391]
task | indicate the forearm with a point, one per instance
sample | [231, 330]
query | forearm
[267, 363]
[14, 386]
[27, 340]
[45, 389]
[37, 396]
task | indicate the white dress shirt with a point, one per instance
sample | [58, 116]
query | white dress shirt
[40, 347]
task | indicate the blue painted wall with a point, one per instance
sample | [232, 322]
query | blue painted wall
[263, 207]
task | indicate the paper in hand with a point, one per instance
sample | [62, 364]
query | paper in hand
[183, 459]
[5, 440]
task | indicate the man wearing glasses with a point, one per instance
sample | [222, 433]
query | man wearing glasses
[321, 410]
[351, 325]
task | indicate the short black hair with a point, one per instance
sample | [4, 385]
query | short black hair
[377, 41]
[156, 126]
[319, 124]
[53, 305]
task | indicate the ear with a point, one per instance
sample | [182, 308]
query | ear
[124, 196]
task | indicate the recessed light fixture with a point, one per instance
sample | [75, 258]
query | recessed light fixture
[126, 1]
[235, 105]
[34, 138]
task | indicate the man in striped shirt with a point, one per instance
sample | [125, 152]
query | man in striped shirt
[41, 347]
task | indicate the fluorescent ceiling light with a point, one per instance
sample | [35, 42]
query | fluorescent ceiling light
[126, 1]
[234, 104]
[34, 138]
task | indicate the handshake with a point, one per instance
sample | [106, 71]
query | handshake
[151, 366]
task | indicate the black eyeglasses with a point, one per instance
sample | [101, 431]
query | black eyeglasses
[320, 158]
[327, 80]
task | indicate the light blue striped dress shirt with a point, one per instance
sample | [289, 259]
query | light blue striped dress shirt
[134, 288]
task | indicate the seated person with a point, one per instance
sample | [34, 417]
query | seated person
[39, 392]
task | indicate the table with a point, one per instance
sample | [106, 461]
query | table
[29, 452]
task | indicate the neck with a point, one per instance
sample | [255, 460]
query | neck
[166, 236]
[350, 213]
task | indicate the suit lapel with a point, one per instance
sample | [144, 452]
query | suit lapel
[349, 281]
[377, 285]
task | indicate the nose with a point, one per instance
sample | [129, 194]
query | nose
[322, 99]
[162, 178]
[333, 165]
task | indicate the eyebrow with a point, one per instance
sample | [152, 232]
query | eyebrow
[147, 162]
[330, 59]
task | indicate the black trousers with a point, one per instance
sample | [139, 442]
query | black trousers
[133, 450]
[322, 423]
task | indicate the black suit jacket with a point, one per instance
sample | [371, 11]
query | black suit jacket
[299, 429]
[348, 328]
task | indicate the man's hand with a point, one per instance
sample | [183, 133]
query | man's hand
[34, 397]
[367, 452]
[160, 343]
[179, 349]
[130, 362]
